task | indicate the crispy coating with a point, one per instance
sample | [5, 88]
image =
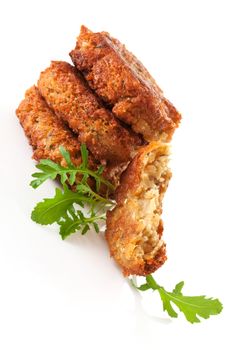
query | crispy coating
[46, 133]
[134, 226]
[125, 85]
[66, 92]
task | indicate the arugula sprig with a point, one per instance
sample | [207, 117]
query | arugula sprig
[190, 306]
[51, 170]
[62, 208]
[78, 222]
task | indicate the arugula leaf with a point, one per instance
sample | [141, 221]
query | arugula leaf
[190, 306]
[78, 222]
[86, 190]
[51, 210]
[51, 170]
[84, 154]
[62, 207]
[66, 156]
[178, 288]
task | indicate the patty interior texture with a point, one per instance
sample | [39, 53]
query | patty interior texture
[134, 227]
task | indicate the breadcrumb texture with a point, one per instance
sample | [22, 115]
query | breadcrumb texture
[134, 226]
[66, 92]
[46, 133]
[121, 80]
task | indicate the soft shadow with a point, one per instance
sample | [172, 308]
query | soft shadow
[140, 312]
[98, 242]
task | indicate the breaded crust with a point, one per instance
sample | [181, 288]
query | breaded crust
[134, 226]
[66, 92]
[125, 85]
[47, 132]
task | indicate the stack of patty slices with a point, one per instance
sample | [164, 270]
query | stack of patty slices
[110, 102]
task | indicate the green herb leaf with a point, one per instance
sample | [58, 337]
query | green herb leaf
[151, 282]
[144, 287]
[51, 170]
[78, 222]
[178, 288]
[190, 306]
[50, 210]
[84, 154]
[62, 207]
[66, 156]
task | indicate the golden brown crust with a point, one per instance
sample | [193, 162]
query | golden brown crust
[67, 94]
[134, 226]
[123, 82]
[46, 133]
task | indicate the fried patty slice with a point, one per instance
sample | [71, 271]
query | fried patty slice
[134, 226]
[66, 92]
[121, 80]
[46, 133]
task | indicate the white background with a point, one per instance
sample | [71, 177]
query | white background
[70, 295]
